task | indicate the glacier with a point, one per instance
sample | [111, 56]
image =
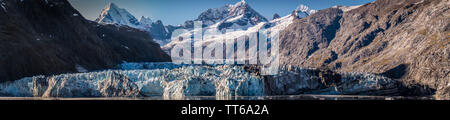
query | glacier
[173, 82]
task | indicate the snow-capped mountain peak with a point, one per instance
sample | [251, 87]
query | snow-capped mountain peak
[213, 15]
[146, 21]
[238, 14]
[242, 2]
[112, 14]
[241, 23]
[303, 8]
[242, 8]
[238, 8]
[303, 11]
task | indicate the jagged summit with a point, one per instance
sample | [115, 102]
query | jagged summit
[242, 5]
[239, 13]
[244, 9]
[112, 14]
[243, 2]
[302, 11]
[304, 8]
[145, 21]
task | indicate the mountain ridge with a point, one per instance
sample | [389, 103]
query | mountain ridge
[235, 16]
[238, 21]
[404, 40]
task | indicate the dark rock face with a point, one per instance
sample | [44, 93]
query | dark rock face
[403, 39]
[276, 16]
[158, 30]
[40, 37]
[130, 44]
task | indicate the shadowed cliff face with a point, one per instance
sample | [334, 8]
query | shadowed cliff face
[402, 39]
[40, 37]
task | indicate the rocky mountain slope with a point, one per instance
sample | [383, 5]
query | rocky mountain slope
[407, 40]
[42, 37]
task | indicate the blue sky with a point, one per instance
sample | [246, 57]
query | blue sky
[174, 12]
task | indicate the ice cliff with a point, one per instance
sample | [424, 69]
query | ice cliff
[171, 81]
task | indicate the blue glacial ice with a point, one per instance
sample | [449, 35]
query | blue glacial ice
[171, 81]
